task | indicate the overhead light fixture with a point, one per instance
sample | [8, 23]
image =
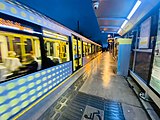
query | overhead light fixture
[119, 30]
[134, 9]
[138, 3]
[109, 35]
[124, 23]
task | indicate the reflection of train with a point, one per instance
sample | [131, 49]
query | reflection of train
[31, 42]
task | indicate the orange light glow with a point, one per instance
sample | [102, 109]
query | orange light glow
[13, 24]
[106, 77]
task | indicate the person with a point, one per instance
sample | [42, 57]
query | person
[47, 61]
[31, 64]
[28, 67]
[33, 55]
[12, 62]
[11, 54]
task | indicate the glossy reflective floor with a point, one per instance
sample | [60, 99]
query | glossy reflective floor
[98, 94]
[103, 82]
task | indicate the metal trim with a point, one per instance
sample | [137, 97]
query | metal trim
[154, 97]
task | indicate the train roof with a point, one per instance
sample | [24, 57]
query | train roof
[18, 10]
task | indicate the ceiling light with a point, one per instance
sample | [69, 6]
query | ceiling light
[124, 23]
[134, 9]
[138, 3]
[119, 30]
[109, 35]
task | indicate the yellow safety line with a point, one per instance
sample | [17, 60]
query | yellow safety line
[36, 102]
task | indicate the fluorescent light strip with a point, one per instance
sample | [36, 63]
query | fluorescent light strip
[124, 23]
[119, 30]
[138, 3]
[134, 9]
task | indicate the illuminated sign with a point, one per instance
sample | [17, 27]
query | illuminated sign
[155, 77]
[145, 34]
[13, 25]
[54, 35]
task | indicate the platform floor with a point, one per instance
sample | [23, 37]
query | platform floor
[105, 83]
[99, 94]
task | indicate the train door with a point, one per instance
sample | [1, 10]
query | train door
[74, 50]
[84, 49]
[77, 53]
[67, 51]
[89, 49]
[64, 50]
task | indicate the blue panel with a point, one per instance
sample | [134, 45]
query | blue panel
[123, 59]
[17, 94]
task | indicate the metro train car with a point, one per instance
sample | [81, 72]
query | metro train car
[36, 54]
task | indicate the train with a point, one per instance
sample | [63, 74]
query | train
[36, 54]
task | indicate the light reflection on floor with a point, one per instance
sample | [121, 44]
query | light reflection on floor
[103, 82]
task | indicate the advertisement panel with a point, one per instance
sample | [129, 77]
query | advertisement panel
[145, 33]
[155, 77]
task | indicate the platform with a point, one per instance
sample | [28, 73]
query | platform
[97, 94]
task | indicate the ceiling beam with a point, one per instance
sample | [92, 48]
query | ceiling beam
[111, 18]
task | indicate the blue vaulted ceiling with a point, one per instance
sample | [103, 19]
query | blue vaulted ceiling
[110, 15]
[69, 13]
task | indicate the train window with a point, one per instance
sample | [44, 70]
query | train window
[8, 43]
[77, 52]
[75, 48]
[93, 49]
[57, 50]
[89, 48]
[85, 49]
[28, 45]
[80, 52]
[36, 48]
[19, 55]
[48, 45]
[79, 48]
[17, 47]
